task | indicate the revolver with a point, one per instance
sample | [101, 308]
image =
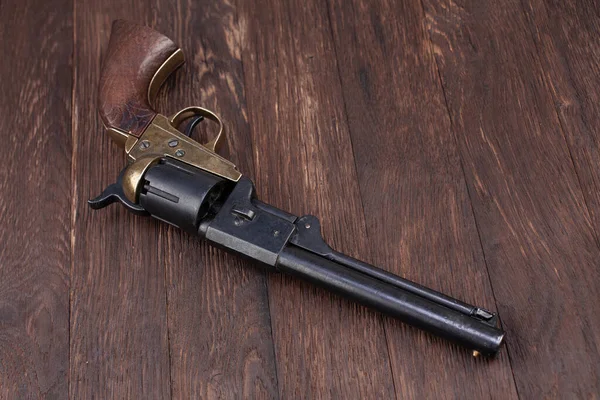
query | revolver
[175, 179]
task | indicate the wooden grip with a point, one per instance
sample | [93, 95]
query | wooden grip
[138, 61]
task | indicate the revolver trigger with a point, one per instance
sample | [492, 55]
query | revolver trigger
[200, 114]
[190, 129]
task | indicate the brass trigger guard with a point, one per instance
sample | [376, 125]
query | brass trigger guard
[176, 119]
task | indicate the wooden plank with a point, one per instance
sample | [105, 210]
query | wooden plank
[566, 37]
[119, 344]
[219, 328]
[325, 347]
[419, 217]
[219, 323]
[36, 198]
[536, 233]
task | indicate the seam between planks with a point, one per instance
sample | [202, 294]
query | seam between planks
[360, 195]
[529, 20]
[464, 180]
[299, 127]
[265, 276]
[166, 285]
[73, 184]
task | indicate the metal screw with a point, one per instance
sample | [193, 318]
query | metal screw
[237, 221]
[180, 153]
[276, 233]
[144, 145]
[173, 142]
[307, 226]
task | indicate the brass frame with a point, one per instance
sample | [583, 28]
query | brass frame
[162, 139]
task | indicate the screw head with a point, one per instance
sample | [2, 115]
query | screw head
[180, 153]
[173, 142]
[144, 145]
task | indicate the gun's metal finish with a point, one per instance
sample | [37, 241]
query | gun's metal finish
[175, 179]
[228, 215]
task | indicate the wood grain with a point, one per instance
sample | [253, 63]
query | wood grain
[133, 56]
[35, 203]
[219, 342]
[452, 142]
[119, 341]
[325, 347]
[537, 235]
[419, 218]
[219, 323]
[566, 35]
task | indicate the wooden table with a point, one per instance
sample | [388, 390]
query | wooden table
[453, 143]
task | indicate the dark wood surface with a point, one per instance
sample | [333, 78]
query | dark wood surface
[36, 206]
[119, 345]
[452, 142]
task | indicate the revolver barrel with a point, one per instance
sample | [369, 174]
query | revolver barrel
[228, 215]
[422, 312]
